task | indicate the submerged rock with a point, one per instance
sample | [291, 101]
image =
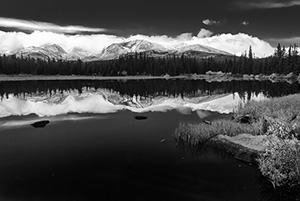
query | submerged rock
[40, 124]
[140, 117]
[245, 147]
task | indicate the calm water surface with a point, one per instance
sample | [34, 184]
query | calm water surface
[116, 157]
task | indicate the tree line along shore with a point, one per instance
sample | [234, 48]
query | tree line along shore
[285, 61]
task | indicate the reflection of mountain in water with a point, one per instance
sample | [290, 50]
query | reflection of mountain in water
[90, 100]
[50, 98]
[153, 88]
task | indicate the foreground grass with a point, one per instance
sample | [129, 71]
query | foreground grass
[199, 133]
[279, 117]
[284, 108]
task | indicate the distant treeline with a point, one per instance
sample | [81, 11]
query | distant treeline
[284, 61]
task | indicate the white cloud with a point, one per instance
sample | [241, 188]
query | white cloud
[268, 4]
[93, 44]
[203, 33]
[44, 26]
[237, 44]
[233, 43]
[12, 41]
[210, 22]
[245, 23]
[185, 36]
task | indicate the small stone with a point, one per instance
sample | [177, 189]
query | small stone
[140, 117]
[40, 124]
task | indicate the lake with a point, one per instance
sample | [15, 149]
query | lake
[95, 147]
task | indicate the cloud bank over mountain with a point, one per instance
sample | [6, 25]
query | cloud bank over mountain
[268, 4]
[233, 43]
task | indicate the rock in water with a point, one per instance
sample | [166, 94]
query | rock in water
[140, 117]
[40, 124]
[207, 122]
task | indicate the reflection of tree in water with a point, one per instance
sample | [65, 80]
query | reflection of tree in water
[150, 88]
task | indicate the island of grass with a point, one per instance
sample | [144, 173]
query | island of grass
[263, 132]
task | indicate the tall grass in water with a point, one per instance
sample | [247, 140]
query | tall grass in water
[279, 116]
[285, 108]
[274, 116]
[197, 133]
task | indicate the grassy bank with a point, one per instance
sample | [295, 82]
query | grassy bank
[278, 117]
[194, 134]
[255, 117]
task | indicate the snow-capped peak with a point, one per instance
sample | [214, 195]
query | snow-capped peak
[115, 50]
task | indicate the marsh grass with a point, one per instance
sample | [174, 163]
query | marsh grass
[197, 133]
[285, 108]
[280, 116]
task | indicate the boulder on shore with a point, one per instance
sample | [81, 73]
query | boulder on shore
[245, 147]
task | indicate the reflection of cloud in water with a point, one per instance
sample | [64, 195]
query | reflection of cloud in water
[29, 121]
[203, 113]
[98, 102]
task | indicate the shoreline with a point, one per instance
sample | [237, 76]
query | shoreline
[243, 147]
[208, 77]
[79, 77]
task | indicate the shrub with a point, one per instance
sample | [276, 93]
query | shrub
[281, 162]
[282, 129]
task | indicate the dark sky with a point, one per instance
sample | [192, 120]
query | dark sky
[271, 20]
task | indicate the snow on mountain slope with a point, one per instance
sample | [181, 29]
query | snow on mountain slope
[154, 49]
[45, 52]
[181, 48]
[115, 50]
[77, 53]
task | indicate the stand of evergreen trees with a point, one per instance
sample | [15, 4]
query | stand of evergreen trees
[284, 61]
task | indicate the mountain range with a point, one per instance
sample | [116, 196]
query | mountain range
[115, 50]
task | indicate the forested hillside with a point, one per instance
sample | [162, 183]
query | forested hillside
[284, 61]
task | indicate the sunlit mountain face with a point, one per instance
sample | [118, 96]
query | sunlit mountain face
[116, 50]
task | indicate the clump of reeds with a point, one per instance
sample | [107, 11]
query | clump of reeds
[197, 133]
